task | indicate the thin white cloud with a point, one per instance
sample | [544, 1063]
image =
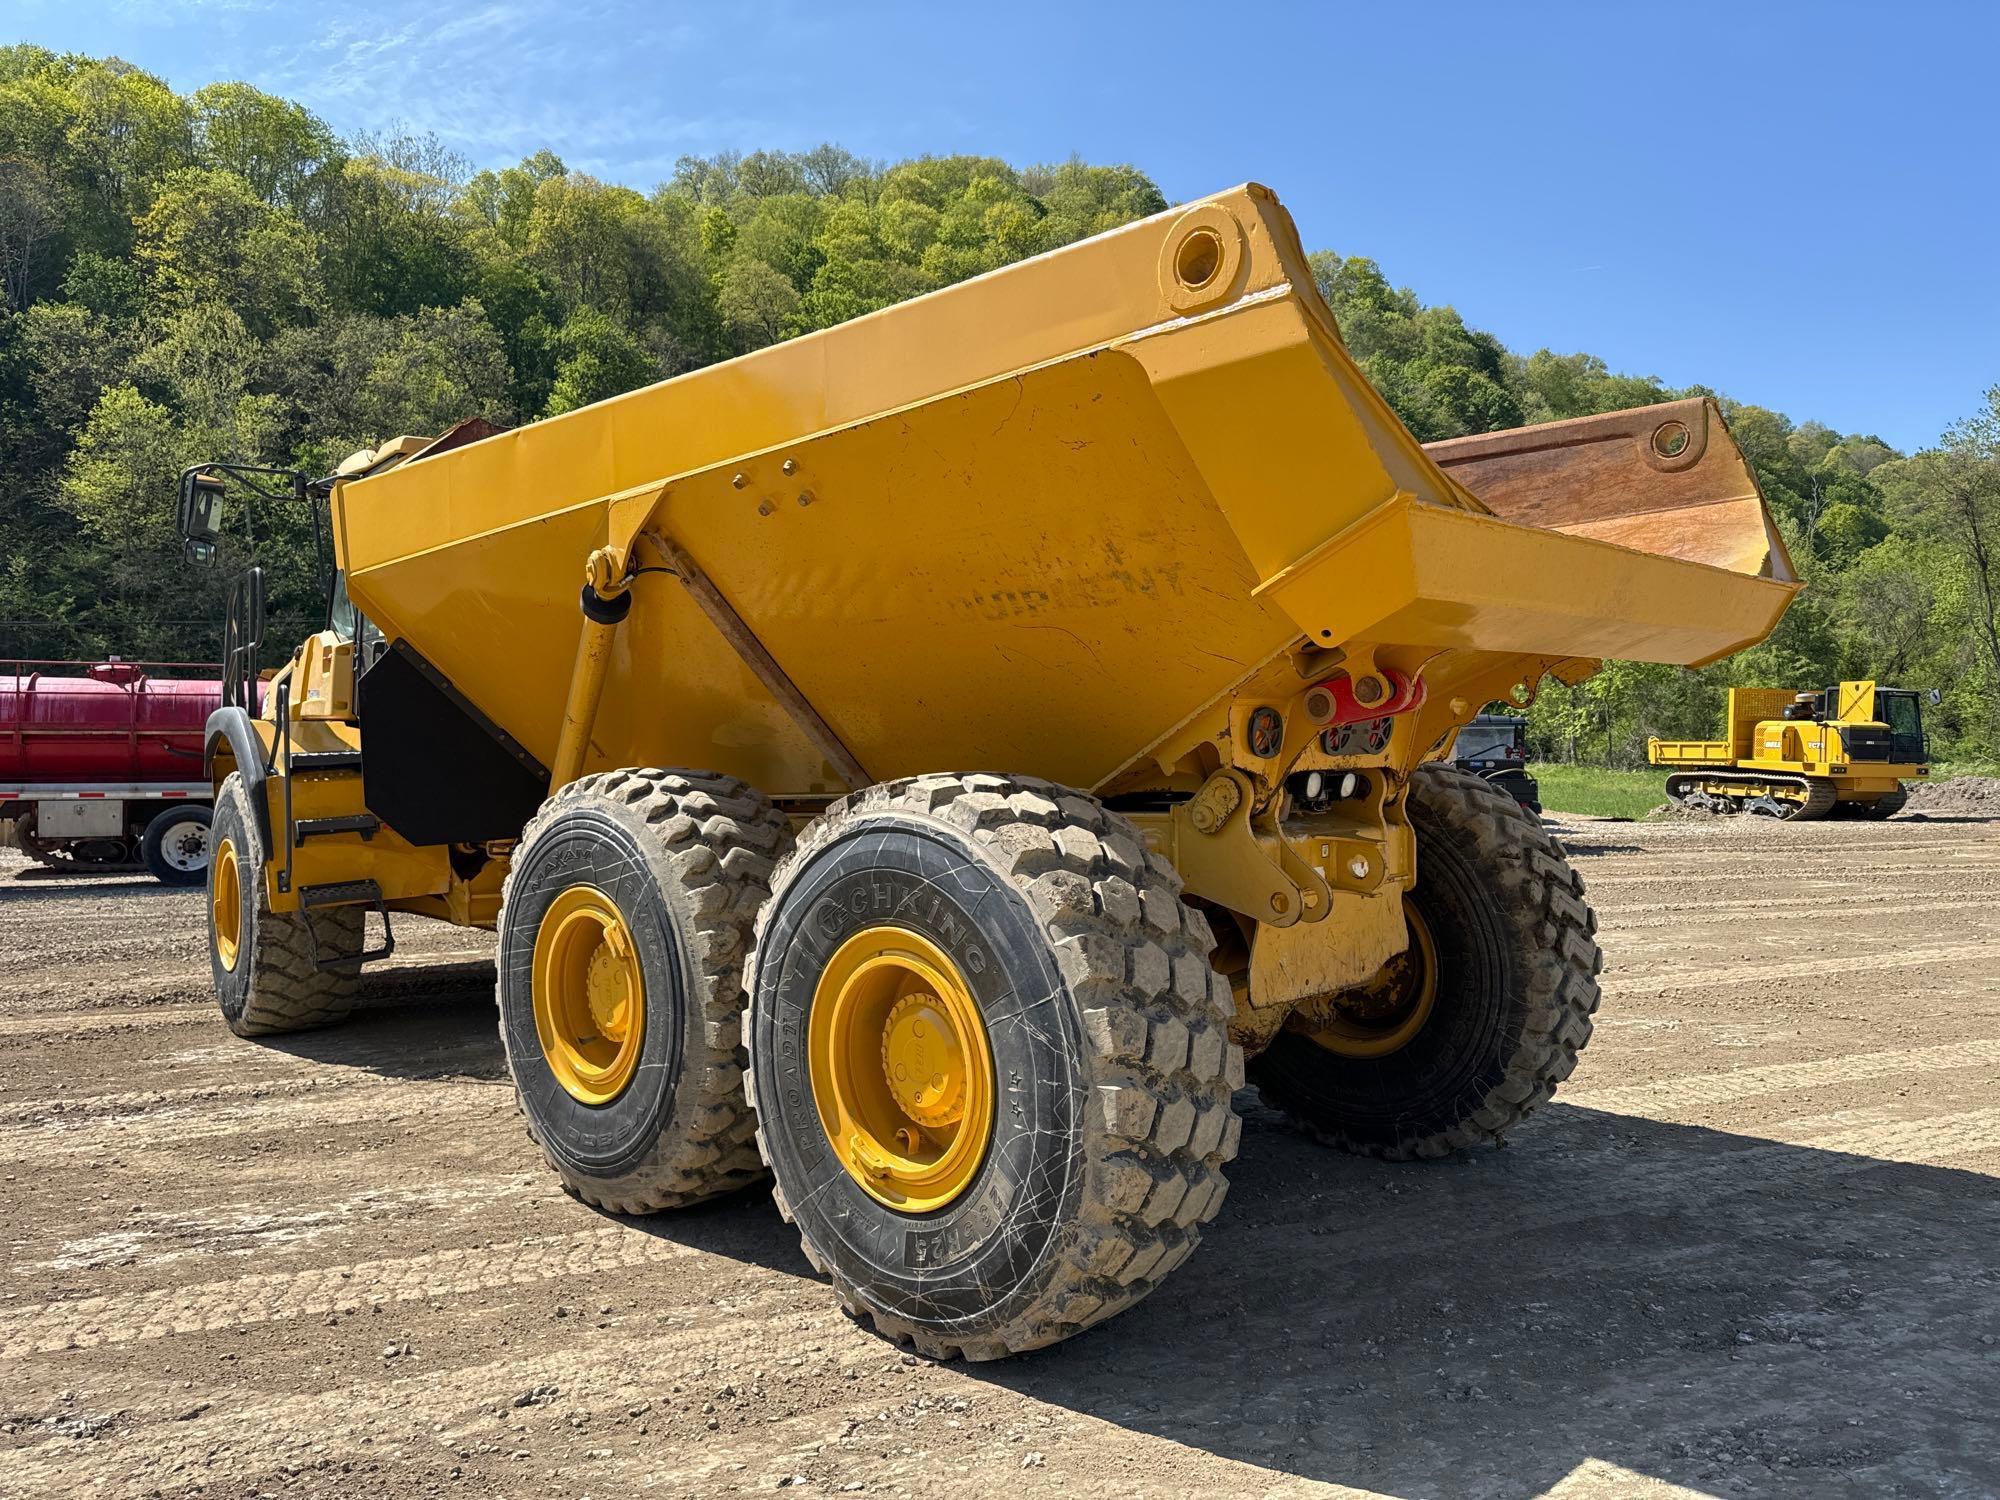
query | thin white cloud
[501, 81]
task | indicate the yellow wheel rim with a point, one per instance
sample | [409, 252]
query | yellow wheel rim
[901, 1071]
[1389, 1012]
[225, 903]
[589, 995]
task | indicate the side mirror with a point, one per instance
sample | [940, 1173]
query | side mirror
[201, 511]
[1936, 697]
[200, 551]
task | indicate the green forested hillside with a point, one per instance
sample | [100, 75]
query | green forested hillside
[216, 275]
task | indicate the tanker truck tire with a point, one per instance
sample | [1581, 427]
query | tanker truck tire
[990, 1061]
[175, 845]
[262, 960]
[1515, 961]
[624, 923]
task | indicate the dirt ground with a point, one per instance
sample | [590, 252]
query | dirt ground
[1754, 1249]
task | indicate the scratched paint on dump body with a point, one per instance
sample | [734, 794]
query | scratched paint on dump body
[1038, 521]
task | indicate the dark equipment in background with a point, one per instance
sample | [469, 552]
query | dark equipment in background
[1495, 746]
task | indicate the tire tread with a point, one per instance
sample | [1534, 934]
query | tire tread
[1154, 1025]
[718, 838]
[1534, 880]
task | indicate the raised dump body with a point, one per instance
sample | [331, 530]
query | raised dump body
[1131, 621]
[1062, 508]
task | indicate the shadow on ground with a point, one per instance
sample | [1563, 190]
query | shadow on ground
[417, 1021]
[1720, 1311]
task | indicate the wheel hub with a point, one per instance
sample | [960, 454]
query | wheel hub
[589, 995]
[902, 1075]
[924, 1061]
[225, 903]
[1384, 1015]
[186, 847]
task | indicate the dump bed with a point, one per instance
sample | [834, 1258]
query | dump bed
[1748, 707]
[1038, 522]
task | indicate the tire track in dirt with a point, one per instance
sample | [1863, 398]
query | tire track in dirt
[262, 1118]
[1669, 1098]
[1672, 916]
[440, 1406]
[1741, 873]
[110, 1020]
[452, 1406]
[1678, 974]
[109, 1110]
[188, 998]
[215, 1231]
[245, 1301]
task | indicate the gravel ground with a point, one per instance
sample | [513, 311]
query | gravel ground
[1752, 1249]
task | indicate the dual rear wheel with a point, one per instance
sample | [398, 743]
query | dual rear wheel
[989, 1057]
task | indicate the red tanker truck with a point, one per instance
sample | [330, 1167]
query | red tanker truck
[101, 763]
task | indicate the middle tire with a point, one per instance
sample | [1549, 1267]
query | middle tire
[623, 927]
[990, 1061]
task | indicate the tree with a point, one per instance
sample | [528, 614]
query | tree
[1952, 494]
[209, 237]
[27, 220]
[74, 353]
[757, 303]
[391, 244]
[596, 358]
[277, 147]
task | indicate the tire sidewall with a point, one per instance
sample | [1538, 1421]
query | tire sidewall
[1007, 1229]
[591, 843]
[231, 820]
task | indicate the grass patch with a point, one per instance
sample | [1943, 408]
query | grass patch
[1597, 791]
[1944, 770]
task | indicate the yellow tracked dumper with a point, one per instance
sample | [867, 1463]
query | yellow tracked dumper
[1798, 756]
[932, 760]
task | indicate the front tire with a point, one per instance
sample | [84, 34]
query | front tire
[624, 923]
[262, 960]
[1514, 987]
[1037, 933]
[176, 845]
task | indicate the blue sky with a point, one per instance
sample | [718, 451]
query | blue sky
[1795, 204]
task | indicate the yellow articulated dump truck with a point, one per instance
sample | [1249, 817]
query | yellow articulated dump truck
[926, 759]
[1798, 756]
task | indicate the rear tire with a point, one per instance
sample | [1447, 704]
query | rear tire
[1517, 962]
[176, 845]
[684, 858]
[265, 979]
[1105, 1030]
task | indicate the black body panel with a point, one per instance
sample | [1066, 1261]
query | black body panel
[433, 767]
